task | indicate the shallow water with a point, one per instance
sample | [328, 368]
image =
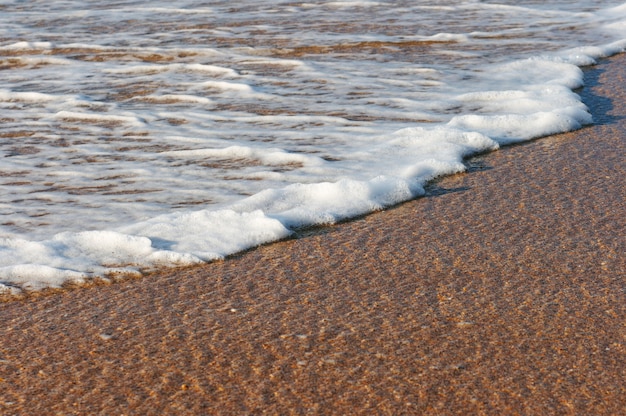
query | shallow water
[135, 136]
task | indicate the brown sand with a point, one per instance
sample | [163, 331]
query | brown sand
[501, 293]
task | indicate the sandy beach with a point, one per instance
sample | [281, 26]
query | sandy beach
[502, 292]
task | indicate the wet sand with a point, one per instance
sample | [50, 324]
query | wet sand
[503, 292]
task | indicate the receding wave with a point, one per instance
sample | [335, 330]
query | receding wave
[137, 136]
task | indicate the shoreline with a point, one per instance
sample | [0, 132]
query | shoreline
[500, 292]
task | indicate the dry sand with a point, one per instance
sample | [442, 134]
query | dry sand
[501, 293]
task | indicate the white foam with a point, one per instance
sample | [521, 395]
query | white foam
[228, 86]
[302, 205]
[538, 71]
[37, 277]
[512, 128]
[210, 235]
[266, 156]
[23, 45]
[30, 97]
[96, 117]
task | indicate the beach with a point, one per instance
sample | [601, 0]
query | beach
[189, 134]
[500, 292]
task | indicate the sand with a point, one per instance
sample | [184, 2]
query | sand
[502, 292]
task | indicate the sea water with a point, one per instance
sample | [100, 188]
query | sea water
[137, 135]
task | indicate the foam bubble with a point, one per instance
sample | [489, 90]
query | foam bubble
[209, 235]
[302, 205]
[36, 277]
[512, 128]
